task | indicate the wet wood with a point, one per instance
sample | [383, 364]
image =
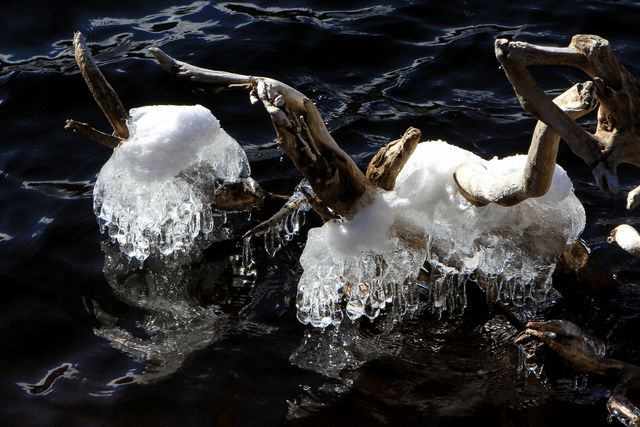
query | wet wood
[577, 271]
[577, 349]
[243, 195]
[104, 95]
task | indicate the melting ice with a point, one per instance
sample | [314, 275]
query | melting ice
[375, 258]
[153, 195]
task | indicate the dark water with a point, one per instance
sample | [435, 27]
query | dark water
[373, 69]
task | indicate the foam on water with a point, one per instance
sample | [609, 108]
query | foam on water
[511, 251]
[153, 195]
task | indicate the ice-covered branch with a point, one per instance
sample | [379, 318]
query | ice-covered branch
[302, 134]
[481, 186]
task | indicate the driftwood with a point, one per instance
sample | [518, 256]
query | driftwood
[577, 271]
[104, 95]
[302, 134]
[87, 131]
[616, 139]
[480, 186]
[585, 354]
[340, 188]
[336, 180]
[243, 195]
[385, 166]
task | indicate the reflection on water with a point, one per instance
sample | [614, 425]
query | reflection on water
[175, 321]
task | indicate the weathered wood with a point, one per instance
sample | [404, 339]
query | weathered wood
[287, 209]
[578, 350]
[89, 132]
[617, 137]
[104, 95]
[577, 271]
[385, 166]
[302, 134]
[481, 186]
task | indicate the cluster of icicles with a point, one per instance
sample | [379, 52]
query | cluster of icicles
[153, 198]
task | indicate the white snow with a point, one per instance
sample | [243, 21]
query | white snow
[154, 193]
[512, 251]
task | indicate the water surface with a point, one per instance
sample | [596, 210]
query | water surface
[373, 69]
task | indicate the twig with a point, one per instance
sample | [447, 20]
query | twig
[87, 131]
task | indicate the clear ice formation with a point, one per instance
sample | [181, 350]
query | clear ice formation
[374, 258]
[153, 195]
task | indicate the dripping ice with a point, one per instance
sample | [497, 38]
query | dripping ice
[374, 259]
[153, 195]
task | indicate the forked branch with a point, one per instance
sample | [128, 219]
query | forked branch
[302, 134]
[616, 139]
[104, 95]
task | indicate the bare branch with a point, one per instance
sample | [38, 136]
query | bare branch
[287, 209]
[87, 131]
[302, 134]
[102, 91]
[537, 103]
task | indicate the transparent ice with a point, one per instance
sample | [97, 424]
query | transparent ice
[374, 258]
[153, 195]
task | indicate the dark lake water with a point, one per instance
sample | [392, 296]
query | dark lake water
[373, 69]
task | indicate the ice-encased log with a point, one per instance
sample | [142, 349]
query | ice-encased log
[511, 250]
[366, 263]
[153, 195]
